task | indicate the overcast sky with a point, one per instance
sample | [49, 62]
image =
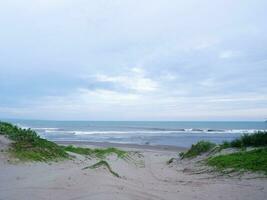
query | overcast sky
[133, 59]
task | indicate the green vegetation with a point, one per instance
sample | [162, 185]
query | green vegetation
[28, 146]
[99, 153]
[198, 149]
[257, 139]
[104, 164]
[170, 161]
[102, 153]
[78, 150]
[255, 160]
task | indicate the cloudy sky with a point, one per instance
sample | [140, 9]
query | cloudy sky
[133, 59]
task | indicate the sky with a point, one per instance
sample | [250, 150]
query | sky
[133, 59]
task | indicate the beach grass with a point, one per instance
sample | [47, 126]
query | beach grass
[257, 139]
[197, 149]
[78, 150]
[28, 146]
[98, 153]
[102, 163]
[170, 161]
[254, 160]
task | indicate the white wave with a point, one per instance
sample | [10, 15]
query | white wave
[121, 132]
[249, 131]
[147, 132]
[235, 131]
[222, 131]
[46, 129]
[60, 131]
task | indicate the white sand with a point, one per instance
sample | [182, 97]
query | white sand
[147, 177]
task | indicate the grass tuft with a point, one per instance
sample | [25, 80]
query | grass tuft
[170, 161]
[102, 153]
[99, 153]
[198, 149]
[104, 164]
[78, 150]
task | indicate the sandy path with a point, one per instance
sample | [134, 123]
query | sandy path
[147, 178]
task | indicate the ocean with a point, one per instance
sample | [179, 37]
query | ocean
[181, 134]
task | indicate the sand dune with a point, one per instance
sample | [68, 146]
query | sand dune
[145, 176]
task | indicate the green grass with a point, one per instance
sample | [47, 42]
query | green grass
[99, 153]
[255, 160]
[197, 149]
[102, 153]
[78, 150]
[104, 164]
[28, 146]
[170, 161]
[258, 139]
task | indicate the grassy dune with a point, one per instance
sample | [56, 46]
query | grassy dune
[252, 160]
[28, 146]
[197, 149]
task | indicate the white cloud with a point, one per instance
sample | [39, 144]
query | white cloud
[139, 71]
[168, 77]
[228, 54]
[135, 81]
[105, 96]
[204, 44]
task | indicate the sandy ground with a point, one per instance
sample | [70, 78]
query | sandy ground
[145, 176]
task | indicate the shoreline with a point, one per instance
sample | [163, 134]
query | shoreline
[121, 145]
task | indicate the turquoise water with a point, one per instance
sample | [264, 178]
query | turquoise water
[143, 132]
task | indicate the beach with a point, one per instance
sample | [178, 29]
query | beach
[133, 100]
[146, 176]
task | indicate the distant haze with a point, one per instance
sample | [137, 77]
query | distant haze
[133, 60]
